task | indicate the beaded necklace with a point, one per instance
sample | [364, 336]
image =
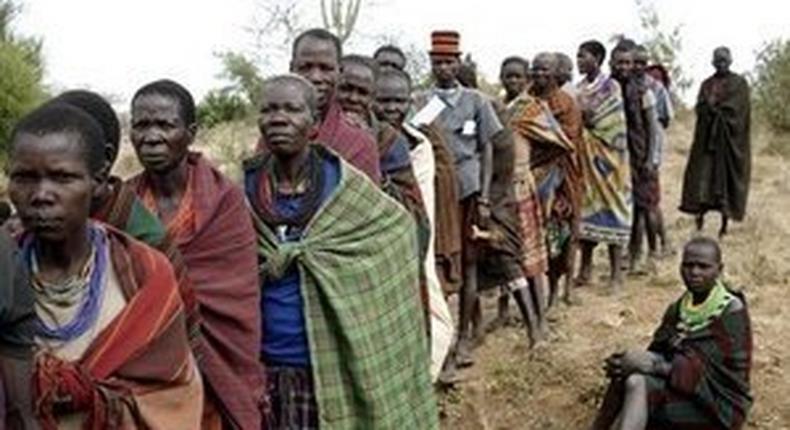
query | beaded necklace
[696, 317]
[86, 286]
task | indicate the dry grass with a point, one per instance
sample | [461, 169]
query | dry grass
[225, 145]
[559, 385]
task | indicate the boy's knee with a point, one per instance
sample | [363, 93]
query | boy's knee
[635, 381]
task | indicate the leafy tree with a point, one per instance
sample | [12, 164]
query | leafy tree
[220, 106]
[21, 70]
[245, 77]
[771, 85]
[664, 45]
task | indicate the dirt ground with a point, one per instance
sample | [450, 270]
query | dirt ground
[558, 385]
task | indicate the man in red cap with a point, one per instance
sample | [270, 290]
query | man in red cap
[468, 123]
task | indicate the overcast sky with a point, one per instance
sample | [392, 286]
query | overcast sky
[115, 46]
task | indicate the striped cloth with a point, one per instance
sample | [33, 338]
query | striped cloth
[126, 212]
[708, 386]
[607, 201]
[525, 193]
[292, 395]
[550, 152]
[217, 242]
[358, 266]
[138, 369]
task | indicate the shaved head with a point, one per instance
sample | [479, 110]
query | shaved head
[722, 51]
[544, 72]
[709, 244]
[722, 59]
[548, 59]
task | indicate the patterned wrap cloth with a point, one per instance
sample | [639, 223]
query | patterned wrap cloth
[217, 240]
[607, 202]
[708, 386]
[139, 371]
[359, 265]
[549, 154]
[127, 213]
[525, 194]
[563, 220]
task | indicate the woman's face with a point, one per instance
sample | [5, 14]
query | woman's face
[159, 134]
[285, 120]
[514, 78]
[586, 62]
[51, 184]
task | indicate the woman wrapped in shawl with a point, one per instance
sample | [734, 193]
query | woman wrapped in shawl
[551, 160]
[109, 328]
[205, 215]
[355, 94]
[392, 104]
[719, 165]
[606, 203]
[117, 204]
[523, 194]
[695, 373]
[344, 342]
[562, 208]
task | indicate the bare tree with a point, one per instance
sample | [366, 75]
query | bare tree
[275, 25]
[340, 16]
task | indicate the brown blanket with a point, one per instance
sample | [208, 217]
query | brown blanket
[448, 216]
[719, 166]
[220, 255]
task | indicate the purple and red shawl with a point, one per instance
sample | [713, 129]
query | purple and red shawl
[353, 144]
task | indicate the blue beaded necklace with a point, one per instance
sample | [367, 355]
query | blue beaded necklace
[88, 312]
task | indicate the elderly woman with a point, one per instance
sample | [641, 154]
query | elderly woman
[560, 186]
[606, 203]
[109, 329]
[205, 215]
[343, 341]
[695, 373]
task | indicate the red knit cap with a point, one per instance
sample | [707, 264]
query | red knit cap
[445, 42]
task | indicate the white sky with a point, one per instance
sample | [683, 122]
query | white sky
[115, 46]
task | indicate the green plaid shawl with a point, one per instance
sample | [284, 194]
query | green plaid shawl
[358, 266]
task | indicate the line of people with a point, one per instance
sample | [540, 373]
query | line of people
[314, 295]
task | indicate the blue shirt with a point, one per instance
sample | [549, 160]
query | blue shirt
[285, 340]
[398, 156]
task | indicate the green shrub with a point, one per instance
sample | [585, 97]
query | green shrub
[20, 75]
[219, 106]
[771, 85]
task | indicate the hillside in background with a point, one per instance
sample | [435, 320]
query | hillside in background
[558, 385]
